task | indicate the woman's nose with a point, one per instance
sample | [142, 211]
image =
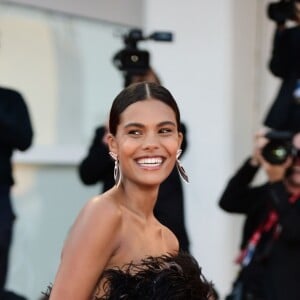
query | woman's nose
[151, 140]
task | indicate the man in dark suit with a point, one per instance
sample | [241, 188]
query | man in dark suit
[15, 134]
[284, 113]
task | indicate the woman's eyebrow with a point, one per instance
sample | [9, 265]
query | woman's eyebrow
[134, 124]
[167, 123]
[140, 125]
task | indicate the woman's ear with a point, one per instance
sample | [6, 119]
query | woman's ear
[112, 143]
[180, 138]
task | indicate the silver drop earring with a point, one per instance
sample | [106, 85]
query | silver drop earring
[117, 171]
[180, 168]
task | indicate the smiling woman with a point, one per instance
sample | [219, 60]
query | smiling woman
[150, 143]
[116, 235]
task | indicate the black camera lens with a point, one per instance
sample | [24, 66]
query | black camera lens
[277, 152]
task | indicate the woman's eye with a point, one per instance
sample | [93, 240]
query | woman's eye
[165, 130]
[135, 132]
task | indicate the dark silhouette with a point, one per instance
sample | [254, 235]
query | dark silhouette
[15, 134]
[284, 113]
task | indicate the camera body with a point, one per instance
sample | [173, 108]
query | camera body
[130, 59]
[282, 11]
[279, 147]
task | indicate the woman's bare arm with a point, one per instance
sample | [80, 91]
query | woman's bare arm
[88, 248]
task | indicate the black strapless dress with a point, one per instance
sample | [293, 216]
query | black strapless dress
[168, 277]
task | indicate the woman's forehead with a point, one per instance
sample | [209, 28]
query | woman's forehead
[148, 109]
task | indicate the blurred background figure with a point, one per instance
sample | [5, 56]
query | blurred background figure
[15, 134]
[98, 166]
[270, 248]
[284, 113]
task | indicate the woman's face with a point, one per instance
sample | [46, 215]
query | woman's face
[146, 142]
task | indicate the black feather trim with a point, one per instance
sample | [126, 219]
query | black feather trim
[168, 277]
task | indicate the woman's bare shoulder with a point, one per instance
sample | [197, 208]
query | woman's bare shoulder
[100, 218]
[171, 240]
[102, 208]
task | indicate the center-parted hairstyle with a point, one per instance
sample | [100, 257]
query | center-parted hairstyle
[140, 92]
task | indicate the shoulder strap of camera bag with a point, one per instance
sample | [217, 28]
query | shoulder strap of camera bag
[271, 222]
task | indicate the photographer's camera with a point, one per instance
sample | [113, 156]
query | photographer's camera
[130, 59]
[279, 147]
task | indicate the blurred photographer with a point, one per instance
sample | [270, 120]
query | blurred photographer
[284, 113]
[269, 255]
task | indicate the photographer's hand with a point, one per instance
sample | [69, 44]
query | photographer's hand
[296, 140]
[259, 142]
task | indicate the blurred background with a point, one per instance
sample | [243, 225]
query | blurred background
[58, 54]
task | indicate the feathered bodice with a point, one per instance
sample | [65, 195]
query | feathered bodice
[168, 277]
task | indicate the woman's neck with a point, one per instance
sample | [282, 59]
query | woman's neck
[137, 198]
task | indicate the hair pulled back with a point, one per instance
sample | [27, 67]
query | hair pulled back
[140, 92]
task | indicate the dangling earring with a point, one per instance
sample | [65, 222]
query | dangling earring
[180, 168]
[117, 172]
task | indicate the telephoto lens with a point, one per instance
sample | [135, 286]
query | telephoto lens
[279, 148]
[277, 152]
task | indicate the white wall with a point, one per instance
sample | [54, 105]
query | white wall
[126, 12]
[216, 69]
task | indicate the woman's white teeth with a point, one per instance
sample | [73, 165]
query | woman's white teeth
[150, 161]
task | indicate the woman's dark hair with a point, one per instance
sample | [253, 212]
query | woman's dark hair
[140, 92]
